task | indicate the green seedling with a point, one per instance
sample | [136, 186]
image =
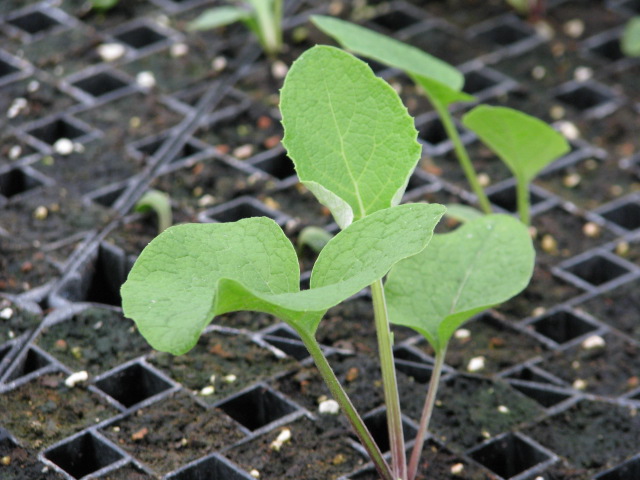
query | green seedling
[354, 146]
[262, 17]
[630, 41]
[158, 202]
[524, 143]
[483, 263]
[531, 143]
[441, 82]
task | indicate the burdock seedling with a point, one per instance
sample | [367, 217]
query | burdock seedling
[354, 146]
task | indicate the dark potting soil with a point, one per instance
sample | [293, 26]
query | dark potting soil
[173, 432]
[500, 345]
[484, 161]
[611, 369]
[543, 292]
[170, 431]
[20, 463]
[470, 410]
[95, 340]
[16, 321]
[328, 453]
[45, 411]
[590, 435]
[207, 183]
[581, 182]
[128, 472]
[229, 363]
[437, 462]
[619, 308]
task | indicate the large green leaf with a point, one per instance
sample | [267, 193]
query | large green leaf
[351, 139]
[484, 262]
[524, 143]
[190, 273]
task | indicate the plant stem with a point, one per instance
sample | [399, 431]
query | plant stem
[524, 207]
[349, 410]
[390, 385]
[427, 410]
[463, 156]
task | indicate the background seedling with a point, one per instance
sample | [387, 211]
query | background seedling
[483, 263]
[441, 83]
[158, 202]
[262, 17]
[356, 162]
[524, 143]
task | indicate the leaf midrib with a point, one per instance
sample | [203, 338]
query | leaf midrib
[342, 150]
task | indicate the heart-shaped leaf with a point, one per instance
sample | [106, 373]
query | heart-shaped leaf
[190, 273]
[481, 264]
[349, 135]
[524, 143]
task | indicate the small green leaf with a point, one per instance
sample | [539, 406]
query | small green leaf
[630, 41]
[218, 17]
[160, 203]
[349, 135]
[314, 238]
[191, 273]
[481, 264]
[524, 143]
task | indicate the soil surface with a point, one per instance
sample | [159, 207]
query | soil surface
[234, 394]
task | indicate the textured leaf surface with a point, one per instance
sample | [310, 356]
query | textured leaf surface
[191, 273]
[525, 143]
[349, 135]
[483, 263]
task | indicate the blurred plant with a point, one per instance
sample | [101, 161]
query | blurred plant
[103, 5]
[158, 202]
[630, 41]
[534, 9]
[262, 17]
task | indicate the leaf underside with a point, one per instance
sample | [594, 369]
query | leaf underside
[481, 264]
